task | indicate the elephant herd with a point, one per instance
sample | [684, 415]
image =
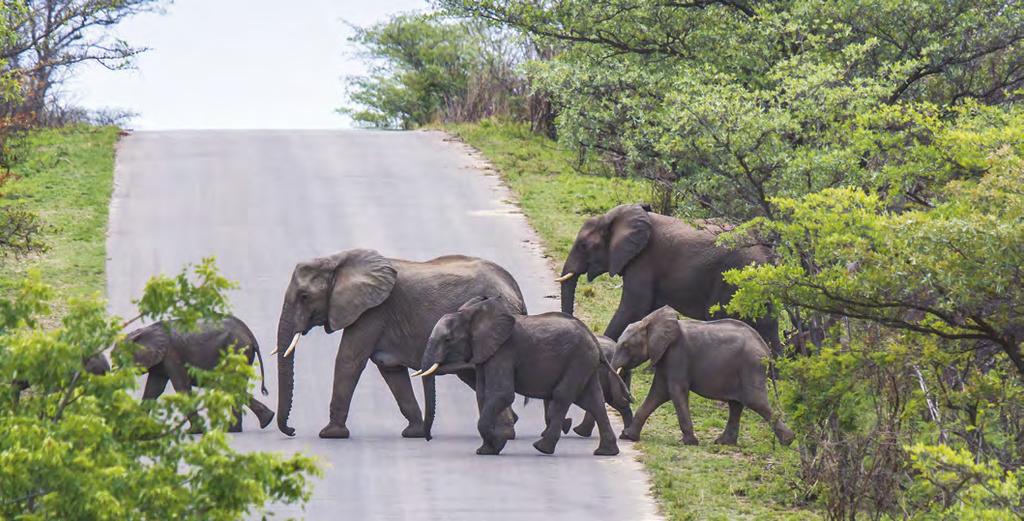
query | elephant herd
[466, 316]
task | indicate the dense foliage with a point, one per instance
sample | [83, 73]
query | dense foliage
[75, 445]
[426, 69]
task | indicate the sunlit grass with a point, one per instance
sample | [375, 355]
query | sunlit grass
[66, 176]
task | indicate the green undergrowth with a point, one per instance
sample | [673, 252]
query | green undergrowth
[754, 480]
[65, 175]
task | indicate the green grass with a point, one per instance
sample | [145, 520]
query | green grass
[754, 480]
[66, 177]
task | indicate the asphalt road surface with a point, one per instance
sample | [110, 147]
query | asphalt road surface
[262, 200]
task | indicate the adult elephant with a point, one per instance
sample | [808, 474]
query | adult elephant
[662, 261]
[387, 308]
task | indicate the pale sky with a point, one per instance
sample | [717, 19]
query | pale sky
[236, 64]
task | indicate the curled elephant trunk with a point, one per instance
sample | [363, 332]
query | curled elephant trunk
[569, 293]
[285, 375]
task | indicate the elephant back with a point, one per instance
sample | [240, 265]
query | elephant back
[426, 291]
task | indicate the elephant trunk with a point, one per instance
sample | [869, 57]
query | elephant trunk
[569, 294]
[285, 373]
[429, 396]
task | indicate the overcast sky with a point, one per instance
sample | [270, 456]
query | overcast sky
[237, 64]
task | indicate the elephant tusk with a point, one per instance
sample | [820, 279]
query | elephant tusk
[291, 347]
[417, 373]
[428, 372]
[618, 371]
[274, 352]
[565, 277]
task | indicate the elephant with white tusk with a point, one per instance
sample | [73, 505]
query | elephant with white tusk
[662, 261]
[551, 356]
[387, 308]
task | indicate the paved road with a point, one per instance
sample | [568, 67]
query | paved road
[262, 200]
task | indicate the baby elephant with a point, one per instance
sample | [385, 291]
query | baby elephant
[551, 356]
[166, 352]
[722, 360]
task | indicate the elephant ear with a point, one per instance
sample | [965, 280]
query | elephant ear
[363, 279]
[662, 332]
[629, 229]
[153, 343]
[490, 326]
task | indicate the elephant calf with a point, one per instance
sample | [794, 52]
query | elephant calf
[551, 356]
[721, 359]
[166, 352]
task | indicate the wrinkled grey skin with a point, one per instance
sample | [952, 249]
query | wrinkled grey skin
[721, 360]
[167, 352]
[387, 308]
[663, 261]
[551, 356]
[609, 384]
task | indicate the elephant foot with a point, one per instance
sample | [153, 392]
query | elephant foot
[506, 432]
[545, 446]
[611, 449]
[265, 420]
[418, 430]
[726, 439]
[235, 428]
[584, 430]
[566, 425]
[334, 431]
[487, 450]
[628, 434]
[689, 439]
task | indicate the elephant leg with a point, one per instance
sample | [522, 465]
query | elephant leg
[566, 423]
[261, 411]
[586, 427]
[155, 385]
[782, 432]
[507, 420]
[346, 376]
[657, 395]
[237, 426]
[398, 381]
[681, 400]
[635, 303]
[182, 383]
[592, 401]
[732, 427]
[496, 398]
[564, 394]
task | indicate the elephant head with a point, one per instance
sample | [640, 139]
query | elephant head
[153, 342]
[647, 339]
[470, 335]
[97, 364]
[605, 244]
[332, 292]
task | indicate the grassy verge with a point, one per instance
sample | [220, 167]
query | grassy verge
[752, 480]
[66, 176]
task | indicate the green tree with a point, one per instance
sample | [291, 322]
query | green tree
[426, 68]
[74, 445]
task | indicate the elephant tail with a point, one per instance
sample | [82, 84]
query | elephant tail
[263, 377]
[430, 396]
[619, 390]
